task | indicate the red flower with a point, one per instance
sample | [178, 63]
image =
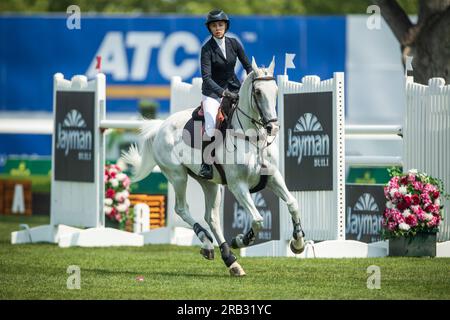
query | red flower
[436, 194]
[407, 200]
[110, 193]
[411, 220]
[402, 206]
[404, 180]
[415, 199]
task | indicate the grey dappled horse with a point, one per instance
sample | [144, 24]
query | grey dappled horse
[254, 125]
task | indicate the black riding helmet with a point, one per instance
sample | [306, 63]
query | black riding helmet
[217, 15]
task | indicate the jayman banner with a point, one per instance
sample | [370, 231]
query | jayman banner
[141, 54]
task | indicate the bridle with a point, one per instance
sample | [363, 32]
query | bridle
[256, 122]
[261, 122]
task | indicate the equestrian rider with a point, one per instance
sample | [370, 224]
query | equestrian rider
[218, 59]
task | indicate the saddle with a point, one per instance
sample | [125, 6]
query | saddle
[222, 117]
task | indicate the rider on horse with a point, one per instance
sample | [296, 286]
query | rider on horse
[218, 60]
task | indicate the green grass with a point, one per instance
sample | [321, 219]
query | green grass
[39, 271]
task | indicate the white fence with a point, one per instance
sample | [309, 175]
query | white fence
[426, 132]
[427, 135]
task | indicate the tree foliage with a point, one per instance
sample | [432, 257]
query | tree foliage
[200, 7]
[427, 40]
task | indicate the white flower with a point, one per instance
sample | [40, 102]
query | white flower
[413, 171]
[107, 209]
[406, 213]
[404, 226]
[121, 176]
[127, 202]
[402, 190]
[122, 207]
[119, 196]
[392, 192]
[108, 201]
[389, 205]
[437, 202]
[114, 183]
[428, 216]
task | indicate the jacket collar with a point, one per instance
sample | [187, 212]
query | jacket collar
[216, 48]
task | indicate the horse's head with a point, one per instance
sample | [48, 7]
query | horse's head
[264, 96]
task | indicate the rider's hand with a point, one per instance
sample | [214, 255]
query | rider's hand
[229, 94]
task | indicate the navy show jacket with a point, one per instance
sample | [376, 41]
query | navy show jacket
[218, 72]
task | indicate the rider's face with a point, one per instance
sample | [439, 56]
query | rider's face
[218, 28]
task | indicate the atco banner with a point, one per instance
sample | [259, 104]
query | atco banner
[236, 220]
[140, 54]
[74, 136]
[365, 205]
[308, 141]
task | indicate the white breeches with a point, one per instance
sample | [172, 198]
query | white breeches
[210, 108]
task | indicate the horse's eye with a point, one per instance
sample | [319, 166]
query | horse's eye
[258, 92]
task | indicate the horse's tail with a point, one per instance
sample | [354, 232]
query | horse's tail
[143, 161]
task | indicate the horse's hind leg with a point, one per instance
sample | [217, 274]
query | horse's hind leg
[212, 217]
[276, 183]
[178, 178]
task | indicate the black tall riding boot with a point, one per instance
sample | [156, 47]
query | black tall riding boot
[206, 170]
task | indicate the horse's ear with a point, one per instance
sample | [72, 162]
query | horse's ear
[271, 67]
[254, 65]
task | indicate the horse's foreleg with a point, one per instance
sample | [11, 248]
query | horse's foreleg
[242, 195]
[278, 186]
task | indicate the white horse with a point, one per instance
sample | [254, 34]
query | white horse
[255, 113]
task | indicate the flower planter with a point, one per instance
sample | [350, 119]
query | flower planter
[423, 244]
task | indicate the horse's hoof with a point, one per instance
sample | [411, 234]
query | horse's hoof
[207, 253]
[236, 270]
[300, 246]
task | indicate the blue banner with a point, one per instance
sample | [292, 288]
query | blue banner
[141, 54]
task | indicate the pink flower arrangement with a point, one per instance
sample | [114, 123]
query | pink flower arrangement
[117, 187]
[413, 204]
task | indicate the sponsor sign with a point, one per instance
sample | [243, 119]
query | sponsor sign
[237, 220]
[74, 136]
[365, 205]
[308, 141]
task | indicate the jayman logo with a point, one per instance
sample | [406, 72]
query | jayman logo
[74, 119]
[308, 140]
[73, 134]
[366, 202]
[365, 218]
[243, 221]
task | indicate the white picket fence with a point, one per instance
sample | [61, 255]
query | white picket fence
[426, 138]
[426, 147]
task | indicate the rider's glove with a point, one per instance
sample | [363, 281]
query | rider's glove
[227, 93]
